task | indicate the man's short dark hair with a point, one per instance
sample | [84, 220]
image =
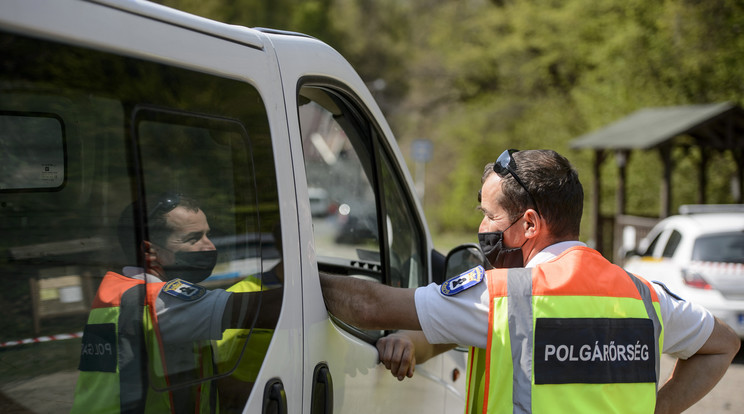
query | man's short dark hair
[554, 184]
[154, 226]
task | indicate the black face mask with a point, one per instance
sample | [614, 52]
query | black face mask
[497, 255]
[192, 266]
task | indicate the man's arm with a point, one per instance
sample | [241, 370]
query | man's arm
[692, 378]
[401, 351]
[369, 305]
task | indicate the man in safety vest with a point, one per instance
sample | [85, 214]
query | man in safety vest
[146, 346]
[553, 327]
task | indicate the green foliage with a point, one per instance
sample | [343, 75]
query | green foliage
[478, 76]
[561, 69]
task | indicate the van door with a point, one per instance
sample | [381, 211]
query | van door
[357, 218]
[368, 229]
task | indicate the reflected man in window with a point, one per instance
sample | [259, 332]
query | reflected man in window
[146, 344]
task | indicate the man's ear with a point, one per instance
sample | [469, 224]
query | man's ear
[152, 263]
[149, 250]
[533, 225]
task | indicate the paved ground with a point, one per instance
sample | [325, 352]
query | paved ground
[726, 397]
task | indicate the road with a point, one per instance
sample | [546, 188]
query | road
[726, 397]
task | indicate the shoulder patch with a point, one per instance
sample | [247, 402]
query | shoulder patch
[184, 290]
[464, 281]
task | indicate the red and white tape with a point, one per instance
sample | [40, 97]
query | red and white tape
[41, 339]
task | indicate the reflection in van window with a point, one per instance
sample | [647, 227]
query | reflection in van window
[405, 238]
[339, 179]
[364, 223]
[157, 231]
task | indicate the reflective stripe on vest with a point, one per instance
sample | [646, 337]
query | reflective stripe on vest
[549, 313]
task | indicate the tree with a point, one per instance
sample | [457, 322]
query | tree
[479, 76]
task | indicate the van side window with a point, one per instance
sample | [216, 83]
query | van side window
[404, 235]
[141, 217]
[33, 145]
[363, 221]
[340, 178]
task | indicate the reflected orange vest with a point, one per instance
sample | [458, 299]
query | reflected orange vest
[122, 360]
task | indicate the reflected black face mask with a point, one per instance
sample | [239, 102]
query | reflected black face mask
[192, 266]
[497, 255]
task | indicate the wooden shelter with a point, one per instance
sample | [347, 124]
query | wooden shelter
[710, 127]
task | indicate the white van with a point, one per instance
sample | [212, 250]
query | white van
[106, 103]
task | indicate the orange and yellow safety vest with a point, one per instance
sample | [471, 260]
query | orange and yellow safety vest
[574, 335]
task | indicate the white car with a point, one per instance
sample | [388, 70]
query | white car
[699, 256]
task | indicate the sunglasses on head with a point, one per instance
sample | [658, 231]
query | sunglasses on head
[506, 164]
[165, 205]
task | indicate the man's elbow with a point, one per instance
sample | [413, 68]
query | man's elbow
[735, 344]
[730, 341]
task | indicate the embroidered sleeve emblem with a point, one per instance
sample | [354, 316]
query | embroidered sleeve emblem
[184, 290]
[464, 281]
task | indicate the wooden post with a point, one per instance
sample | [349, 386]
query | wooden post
[665, 153]
[702, 174]
[739, 157]
[599, 156]
[621, 158]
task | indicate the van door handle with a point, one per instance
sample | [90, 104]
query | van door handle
[275, 398]
[322, 402]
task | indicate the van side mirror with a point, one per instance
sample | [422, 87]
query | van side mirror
[463, 258]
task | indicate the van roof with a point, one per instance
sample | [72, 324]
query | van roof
[238, 34]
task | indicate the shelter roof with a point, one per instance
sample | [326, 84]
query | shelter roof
[717, 125]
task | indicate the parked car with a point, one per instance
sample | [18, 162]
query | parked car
[105, 102]
[699, 255]
[320, 205]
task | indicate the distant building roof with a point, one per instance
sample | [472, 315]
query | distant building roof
[718, 125]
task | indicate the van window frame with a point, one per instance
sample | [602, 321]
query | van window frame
[365, 124]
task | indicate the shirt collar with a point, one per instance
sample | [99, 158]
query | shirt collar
[138, 273]
[552, 251]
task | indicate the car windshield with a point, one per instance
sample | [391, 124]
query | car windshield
[722, 247]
